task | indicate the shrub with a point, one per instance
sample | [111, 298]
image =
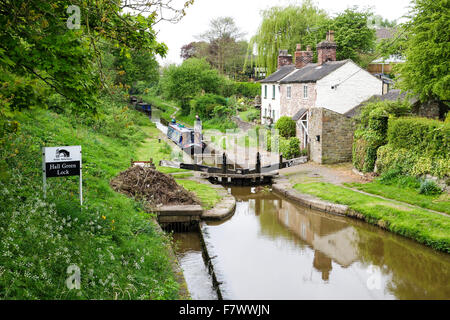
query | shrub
[290, 148]
[204, 105]
[372, 131]
[286, 126]
[420, 135]
[429, 188]
[248, 89]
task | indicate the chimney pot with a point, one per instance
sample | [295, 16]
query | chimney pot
[308, 48]
[299, 47]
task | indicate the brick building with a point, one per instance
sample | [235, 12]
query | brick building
[317, 96]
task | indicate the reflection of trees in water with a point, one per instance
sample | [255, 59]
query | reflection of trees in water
[416, 272]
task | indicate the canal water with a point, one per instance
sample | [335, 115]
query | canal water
[274, 249]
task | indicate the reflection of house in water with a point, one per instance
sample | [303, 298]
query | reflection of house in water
[332, 239]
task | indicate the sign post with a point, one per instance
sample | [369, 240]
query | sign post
[62, 162]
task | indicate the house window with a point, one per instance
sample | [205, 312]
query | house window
[305, 92]
[273, 93]
[288, 92]
[265, 92]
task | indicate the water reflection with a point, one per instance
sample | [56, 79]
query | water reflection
[273, 249]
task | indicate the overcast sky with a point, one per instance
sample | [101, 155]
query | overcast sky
[246, 14]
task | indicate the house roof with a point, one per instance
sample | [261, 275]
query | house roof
[279, 74]
[312, 72]
[393, 95]
[299, 114]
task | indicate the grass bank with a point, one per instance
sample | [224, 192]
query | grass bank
[405, 194]
[113, 243]
[421, 225]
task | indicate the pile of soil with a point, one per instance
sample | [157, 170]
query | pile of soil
[152, 186]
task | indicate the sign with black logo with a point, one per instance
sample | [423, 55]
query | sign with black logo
[62, 162]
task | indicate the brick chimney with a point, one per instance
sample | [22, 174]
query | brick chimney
[284, 59]
[326, 50]
[302, 58]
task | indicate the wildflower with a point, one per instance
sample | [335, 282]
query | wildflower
[103, 217]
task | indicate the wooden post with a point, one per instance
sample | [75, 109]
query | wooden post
[281, 161]
[224, 169]
[258, 163]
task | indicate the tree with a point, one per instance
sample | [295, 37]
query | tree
[183, 83]
[427, 51]
[222, 36]
[353, 36]
[283, 28]
[58, 44]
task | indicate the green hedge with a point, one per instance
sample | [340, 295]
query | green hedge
[204, 105]
[424, 136]
[416, 146]
[248, 89]
[409, 162]
[372, 131]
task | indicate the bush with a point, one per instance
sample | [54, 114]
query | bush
[411, 163]
[248, 89]
[420, 135]
[372, 131]
[290, 148]
[429, 188]
[204, 105]
[287, 127]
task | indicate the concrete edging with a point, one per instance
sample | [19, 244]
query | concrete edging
[285, 189]
[224, 209]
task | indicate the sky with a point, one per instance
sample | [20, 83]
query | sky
[246, 14]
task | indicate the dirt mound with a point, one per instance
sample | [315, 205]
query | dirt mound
[154, 187]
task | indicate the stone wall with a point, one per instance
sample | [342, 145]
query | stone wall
[289, 107]
[337, 140]
[335, 132]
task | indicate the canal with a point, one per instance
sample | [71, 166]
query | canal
[274, 249]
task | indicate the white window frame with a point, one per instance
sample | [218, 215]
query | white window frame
[274, 92]
[289, 92]
[305, 92]
[265, 91]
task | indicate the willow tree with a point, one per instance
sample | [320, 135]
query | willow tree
[283, 28]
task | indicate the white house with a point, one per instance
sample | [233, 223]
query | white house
[317, 96]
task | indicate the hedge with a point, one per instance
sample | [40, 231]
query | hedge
[204, 105]
[409, 162]
[372, 131]
[421, 135]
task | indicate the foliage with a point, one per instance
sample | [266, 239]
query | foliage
[420, 135]
[248, 89]
[352, 34]
[205, 106]
[411, 163]
[286, 127]
[290, 148]
[283, 28]
[117, 247]
[429, 188]
[427, 51]
[372, 131]
[36, 42]
[419, 224]
[223, 45]
[185, 82]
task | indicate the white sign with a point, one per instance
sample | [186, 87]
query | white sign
[62, 162]
[62, 154]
